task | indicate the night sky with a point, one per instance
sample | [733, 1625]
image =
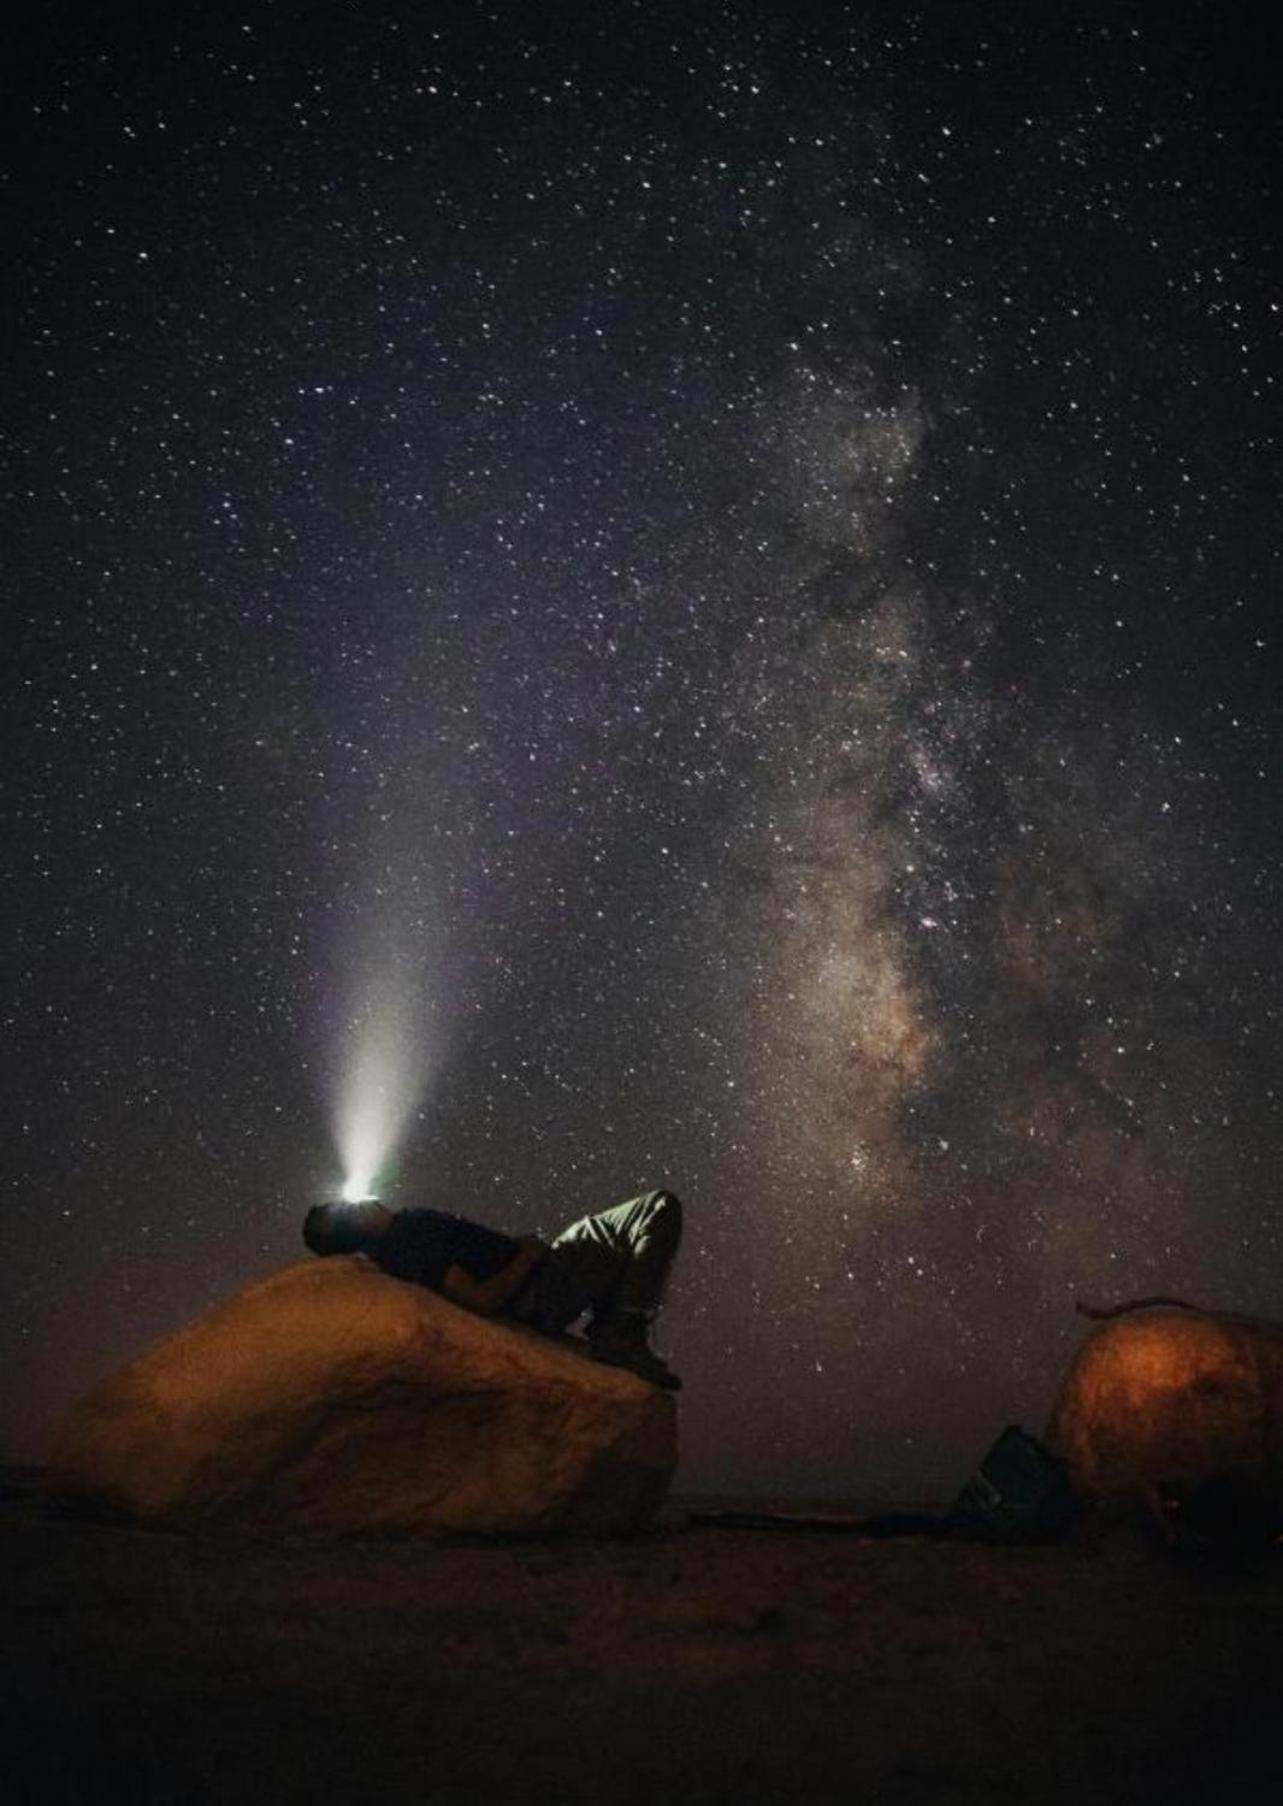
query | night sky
[692, 589]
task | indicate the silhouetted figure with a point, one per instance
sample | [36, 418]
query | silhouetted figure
[611, 1266]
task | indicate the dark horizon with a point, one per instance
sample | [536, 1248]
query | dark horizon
[713, 578]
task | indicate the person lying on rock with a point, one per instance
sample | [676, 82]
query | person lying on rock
[611, 1266]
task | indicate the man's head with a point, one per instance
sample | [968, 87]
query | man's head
[340, 1228]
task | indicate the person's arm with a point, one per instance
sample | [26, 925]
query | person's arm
[486, 1296]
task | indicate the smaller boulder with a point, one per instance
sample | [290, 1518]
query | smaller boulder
[1178, 1413]
[331, 1399]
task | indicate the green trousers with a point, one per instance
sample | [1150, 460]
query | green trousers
[617, 1260]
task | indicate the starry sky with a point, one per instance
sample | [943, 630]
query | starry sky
[694, 588]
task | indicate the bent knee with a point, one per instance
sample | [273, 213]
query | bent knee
[668, 1205]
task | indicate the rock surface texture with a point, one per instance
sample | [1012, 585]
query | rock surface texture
[1180, 1411]
[332, 1400]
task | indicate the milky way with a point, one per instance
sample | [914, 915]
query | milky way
[694, 594]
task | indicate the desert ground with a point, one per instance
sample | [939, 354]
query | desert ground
[695, 1664]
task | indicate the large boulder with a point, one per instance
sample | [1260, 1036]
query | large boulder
[331, 1399]
[1179, 1412]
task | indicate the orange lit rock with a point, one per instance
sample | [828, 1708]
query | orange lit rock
[331, 1399]
[1178, 1410]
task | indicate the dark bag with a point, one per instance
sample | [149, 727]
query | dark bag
[1019, 1494]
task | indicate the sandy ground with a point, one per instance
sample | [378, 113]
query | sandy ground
[695, 1665]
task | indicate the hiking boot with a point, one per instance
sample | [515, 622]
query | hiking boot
[644, 1362]
[621, 1342]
